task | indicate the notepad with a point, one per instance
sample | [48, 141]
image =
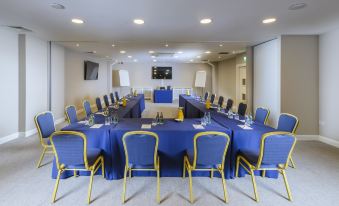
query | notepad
[83, 122]
[96, 126]
[245, 127]
[198, 126]
[100, 113]
[146, 126]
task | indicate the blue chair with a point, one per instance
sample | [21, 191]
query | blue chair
[206, 96]
[221, 101]
[72, 154]
[288, 123]
[44, 123]
[87, 108]
[141, 151]
[229, 105]
[98, 103]
[112, 97]
[261, 115]
[275, 150]
[208, 154]
[242, 109]
[106, 101]
[116, 95]
[71, 114]
[212, 98]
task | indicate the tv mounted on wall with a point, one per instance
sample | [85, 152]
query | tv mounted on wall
[161, 72]
[91, 70]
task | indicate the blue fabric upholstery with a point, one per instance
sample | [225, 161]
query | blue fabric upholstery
[87, 108]
[72, 114]
[140, 150]
[212, 98]
[260, 115]
[117, 96]
[98, 103]
[242, 109]
[229, 104]
[206, 96]
[106, 100]
[45, 122]
[112, 97]
[287, 123]
[221, 101]
[277, 148]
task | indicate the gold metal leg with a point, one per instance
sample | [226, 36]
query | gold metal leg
[224, 185]
[287, 185]
[75, 173]
[212, 173]
[124, 186]
[237, 167]
[184, 169]
[158, 182]
[254, 186]
[41, 157]
[103, 167]
[90, 188]
[56, 186]
[292, 163]
[263, 174]
[190, 185]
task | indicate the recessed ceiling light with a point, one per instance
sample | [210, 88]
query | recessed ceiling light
[77, 21]
[297, 6]
[57, 6]
[207, 52]
[107, 56]
[205, 21]
[122, 52]
[180, 52]
[151, 52]
[269, 20]
[153, 56]
[175, 56]
[113, 45]
[138, 21]
[135, 60]
[129, 56]
[77, 45]
[94, 52]
[198, 57]
[154, 60]
[221, 45]
[166, 45]
[191, 60]
[219, 57]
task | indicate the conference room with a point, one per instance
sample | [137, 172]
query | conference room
[169, 102]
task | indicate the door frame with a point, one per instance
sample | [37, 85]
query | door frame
[237, 88]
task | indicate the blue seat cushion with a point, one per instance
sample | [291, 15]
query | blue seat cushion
[135, 166]
[252, 157]
[92, 156]
[190, 155]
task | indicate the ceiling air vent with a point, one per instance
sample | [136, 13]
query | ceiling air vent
[223, 53]
[20, 28]
[163, 54]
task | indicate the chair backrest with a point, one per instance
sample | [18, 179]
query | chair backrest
[116, 95]
[221, 101]
[206, 96]
[112, 97]
[261, 115]
[98, 103]
[106, 100]
[70, 148]
[71, 114]
[87, 108]
[140, 147]
[212, 98]
[276, 148]
[242, 109]
[229, 104]
[288, 123]
[210, 148]
[44, 123]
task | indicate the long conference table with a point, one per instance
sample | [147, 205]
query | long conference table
[174, 139]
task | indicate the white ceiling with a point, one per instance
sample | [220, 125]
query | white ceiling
[236, 23]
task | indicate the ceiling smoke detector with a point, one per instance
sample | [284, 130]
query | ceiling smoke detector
[57, 6]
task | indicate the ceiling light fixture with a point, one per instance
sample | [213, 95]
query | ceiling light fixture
[207, 52]
[77, 45]
[151, 52]
[129, 56]
[154, 60]
[175, 56]
[57, 6]
[138, 21]
[219, 57]
[198, 57]
[205, 21]
[122, 52]
[221, 45]
[153, 56]
[269, 20]
[135, 60]
[113, 45]
[191, 60]
[94, 52]
[166, 45]
[180, 52]
[297, 6]
[77, 21]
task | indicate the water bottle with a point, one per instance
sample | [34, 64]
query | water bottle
[209, 121]
[157, 118]
[161, 118]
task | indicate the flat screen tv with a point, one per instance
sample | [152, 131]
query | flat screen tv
[91, 70]
[161, 72]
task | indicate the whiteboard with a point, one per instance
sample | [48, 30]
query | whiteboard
[200, 79]
[124, 78]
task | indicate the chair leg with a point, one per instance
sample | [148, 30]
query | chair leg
[224, 186]
[158, 182]
[287, 185]
[103, 167]
[190, 185]
[75, 173]
[254, 186]
[130, 173]
[212, 173]
[292, 163]
[263, 174]
[124, 186]
[90, 188]
[41, 157]
[237, 167]
[56, 186]
[184, 169]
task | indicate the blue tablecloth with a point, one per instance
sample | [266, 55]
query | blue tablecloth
[163, 96]
[134, 108]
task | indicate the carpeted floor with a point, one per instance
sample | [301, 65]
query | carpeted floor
[314, 182]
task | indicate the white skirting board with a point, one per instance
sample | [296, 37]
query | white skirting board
[28, 133]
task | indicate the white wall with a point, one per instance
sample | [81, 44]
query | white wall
[183, 74]
[266, 78]
[58, 81]
[9, 89]
[329, 84]
[76, 88]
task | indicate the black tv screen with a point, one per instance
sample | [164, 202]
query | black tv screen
[91, 70]
[161, 72]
